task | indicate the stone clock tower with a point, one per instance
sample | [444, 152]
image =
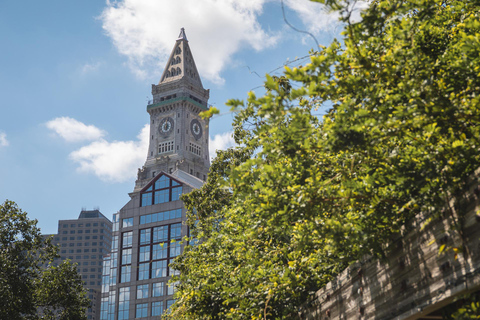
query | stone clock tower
[178, 135]
[147, 231]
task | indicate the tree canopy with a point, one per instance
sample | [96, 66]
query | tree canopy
[28, 289]
[304, 197]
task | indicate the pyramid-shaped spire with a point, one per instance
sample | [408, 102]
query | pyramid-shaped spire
[182, 35]
[181, 63]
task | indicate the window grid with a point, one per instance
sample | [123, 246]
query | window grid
[161, 250]
[123, 303]
[126, 257]
[141, 310]
[157, 308]
[163, 190]
[165, 147]
[195, 149]
[160, 216]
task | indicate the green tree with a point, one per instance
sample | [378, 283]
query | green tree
[303, 197]
[28, 290]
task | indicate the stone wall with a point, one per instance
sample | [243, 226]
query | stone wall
[415, 280]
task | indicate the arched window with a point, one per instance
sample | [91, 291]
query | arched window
[178, 60]
[173, 72]
[178, 50]
[168, 74]
[179, 71]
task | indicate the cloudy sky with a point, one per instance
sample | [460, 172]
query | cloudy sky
[75, 77]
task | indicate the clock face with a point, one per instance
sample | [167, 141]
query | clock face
[165, 127]
[196, 128]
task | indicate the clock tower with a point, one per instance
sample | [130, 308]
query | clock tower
[178, 135]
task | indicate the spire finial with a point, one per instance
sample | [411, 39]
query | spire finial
[182, 34]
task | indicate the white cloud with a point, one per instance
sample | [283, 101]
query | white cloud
[72, 130]
[3, 140]
[145, 31]
[317, 18]
[115, 161]
[90, 68]
[221, 141]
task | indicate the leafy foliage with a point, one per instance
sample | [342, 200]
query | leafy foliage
[27, 289]
[303, 198]
[465, 308]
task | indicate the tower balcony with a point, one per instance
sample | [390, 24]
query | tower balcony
[154, 103]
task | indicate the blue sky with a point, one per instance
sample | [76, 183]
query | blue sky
[75, 77]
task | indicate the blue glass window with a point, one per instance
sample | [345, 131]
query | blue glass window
[161, 216]
[123, 303]
[146, 199]
[175, 249]
[141, 310]
[126, 256]
[170, 303]
[176, 231]
[162, 196]
[163, 190]
[159, 251]
[125, 274]
[162, 182]
[159, 269]
[127, 222]
[144, 254]
[145, 236]
[158, 289]
[176, 193]
[143, 271]
[157, 308]
[127, 239]
[142, 291]
[160, 234]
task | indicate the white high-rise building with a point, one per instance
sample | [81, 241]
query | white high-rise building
[136, 272]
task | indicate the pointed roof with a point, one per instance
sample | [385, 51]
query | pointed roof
[181, 63]
[182, 34]
[179, 176]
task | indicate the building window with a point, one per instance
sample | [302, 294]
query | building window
[125, 274]
[123, 303]
[158, 289]
[145, 236]
[126, 256]
[172, 288]
[104, 308]
[115, 243]
[158, 246]
[159, 269]
[195, 149]
[142, 310]
[144, 254]
[161, 216]
[142, 291]
[165, 147]
[175, 249]
[127, 222]
[157, 308]
[163, 190]
[143, 271]
[170, 303]
[127, 239]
